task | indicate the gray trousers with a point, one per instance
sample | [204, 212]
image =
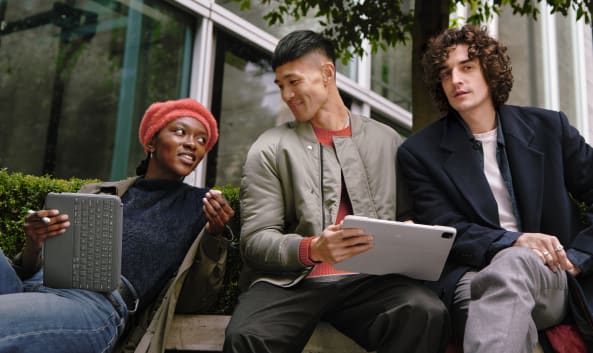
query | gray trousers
[501, 308]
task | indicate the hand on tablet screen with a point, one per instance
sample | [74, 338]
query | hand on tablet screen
[336, 244]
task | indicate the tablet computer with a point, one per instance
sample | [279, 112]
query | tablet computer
[414, 250]
[88, 254]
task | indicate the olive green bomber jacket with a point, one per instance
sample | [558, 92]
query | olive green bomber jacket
[291, 188]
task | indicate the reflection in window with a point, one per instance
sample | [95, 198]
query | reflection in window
[391, 75]
[247, 102]
[257, 11]
[76, 77]
[255, 16]
[391, 70]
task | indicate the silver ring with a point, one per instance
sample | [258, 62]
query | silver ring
[545, 253]
[559, 247]
[45, 220]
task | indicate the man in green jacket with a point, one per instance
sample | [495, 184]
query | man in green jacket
[299, 181]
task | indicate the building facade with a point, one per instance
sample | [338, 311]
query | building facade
[77, 75]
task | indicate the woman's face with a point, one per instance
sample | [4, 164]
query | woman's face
[177, 149]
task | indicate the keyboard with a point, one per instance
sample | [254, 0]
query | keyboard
[92, 249]
[88, 255]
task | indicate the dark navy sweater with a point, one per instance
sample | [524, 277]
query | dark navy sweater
[161, 220]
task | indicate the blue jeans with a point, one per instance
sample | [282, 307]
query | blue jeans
[34, 318]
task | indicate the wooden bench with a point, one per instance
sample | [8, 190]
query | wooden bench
[205, 333]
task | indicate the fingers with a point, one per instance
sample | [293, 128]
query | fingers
[562, 258]
[555, 259]
[44, 219]
[546, 258]
[354, 237]
[574, 271]
[357, 241]
[549, 260]
[216, 205]
[335, 234]
[40, 225]
[217, 211]
[548, 248]
[555, 255]
[336, 244]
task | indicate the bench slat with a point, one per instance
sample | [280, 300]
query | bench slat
[197, 332]
[206, 333]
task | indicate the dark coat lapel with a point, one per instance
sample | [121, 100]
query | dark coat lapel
[527, 167]
[465, 170]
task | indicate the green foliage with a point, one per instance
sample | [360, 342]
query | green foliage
[20, 193]
[484, 10]
[230, 290]
[386, 23]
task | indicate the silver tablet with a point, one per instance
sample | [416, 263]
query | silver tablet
[414, 250]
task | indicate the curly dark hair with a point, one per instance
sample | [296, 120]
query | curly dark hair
[495, 63]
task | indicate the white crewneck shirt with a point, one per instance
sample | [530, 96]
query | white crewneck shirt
[499, 190]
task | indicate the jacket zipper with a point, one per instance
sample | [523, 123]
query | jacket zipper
[321, 187]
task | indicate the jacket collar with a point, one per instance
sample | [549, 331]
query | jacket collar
[306, 129]
[118, 188]
[525, 160]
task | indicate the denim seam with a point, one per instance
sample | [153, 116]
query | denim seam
[63, 331]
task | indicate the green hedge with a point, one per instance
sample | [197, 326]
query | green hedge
[230, 290]
[19, 193]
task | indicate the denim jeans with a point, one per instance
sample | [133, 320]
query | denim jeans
[35, 318]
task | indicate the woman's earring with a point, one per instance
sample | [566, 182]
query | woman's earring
[149, 155]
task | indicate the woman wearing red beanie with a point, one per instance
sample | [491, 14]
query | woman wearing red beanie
[162, 219]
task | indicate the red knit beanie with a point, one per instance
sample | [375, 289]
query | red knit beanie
[160, 114]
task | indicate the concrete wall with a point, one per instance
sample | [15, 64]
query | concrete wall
[589, 73]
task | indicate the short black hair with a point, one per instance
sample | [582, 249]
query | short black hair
[299, 43]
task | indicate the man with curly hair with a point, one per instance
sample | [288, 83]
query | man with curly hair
[507, 178]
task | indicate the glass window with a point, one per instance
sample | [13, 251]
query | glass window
[391, 70]
[247, 102]
[391, 75]
[76, 77]
[255, 15]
